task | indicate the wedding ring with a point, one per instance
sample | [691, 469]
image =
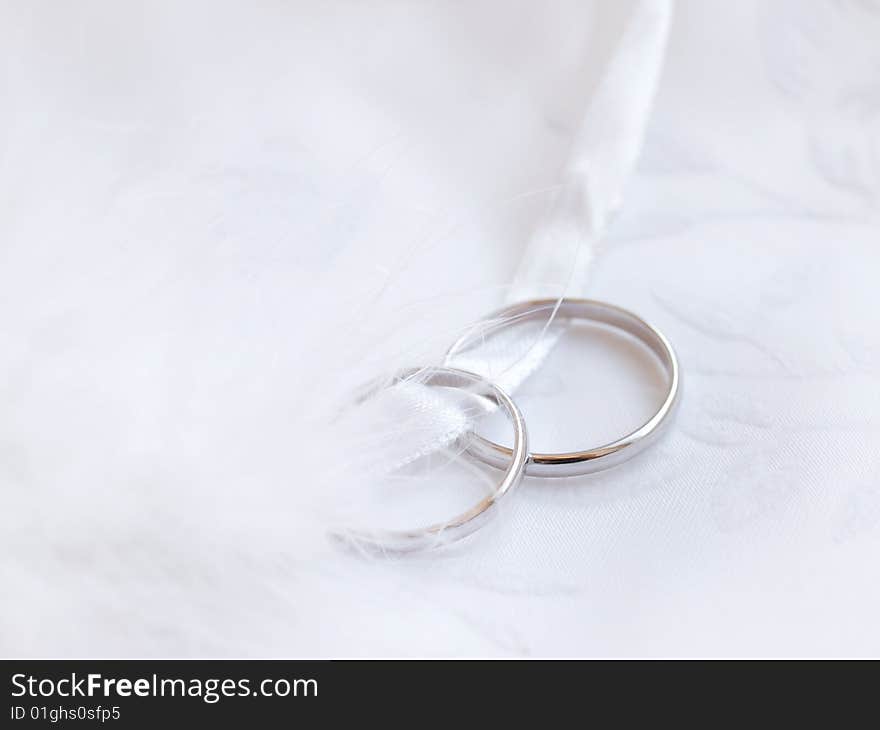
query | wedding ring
[598, 458]
[459, 527]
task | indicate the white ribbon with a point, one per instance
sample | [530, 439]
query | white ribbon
[557, 258]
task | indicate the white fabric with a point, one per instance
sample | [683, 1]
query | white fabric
[219, 218]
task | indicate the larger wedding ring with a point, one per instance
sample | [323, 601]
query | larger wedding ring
[596, 458]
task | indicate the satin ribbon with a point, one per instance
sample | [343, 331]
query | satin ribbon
[557, 258]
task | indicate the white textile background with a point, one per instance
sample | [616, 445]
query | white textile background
[216, 218]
